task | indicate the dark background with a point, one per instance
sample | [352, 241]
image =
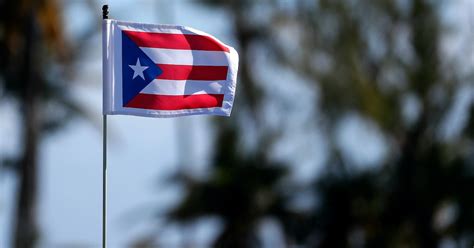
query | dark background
[353, 124]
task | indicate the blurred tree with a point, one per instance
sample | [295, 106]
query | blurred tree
[36, 62]
[378, 54]
[242, 190]
[382, 61]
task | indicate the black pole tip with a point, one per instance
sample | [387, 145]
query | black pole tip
[105, 11]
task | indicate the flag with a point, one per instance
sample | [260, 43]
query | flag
[166, 71]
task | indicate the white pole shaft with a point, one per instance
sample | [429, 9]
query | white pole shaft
[105, 12]
[104, 182]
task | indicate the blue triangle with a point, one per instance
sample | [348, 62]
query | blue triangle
[132, 86]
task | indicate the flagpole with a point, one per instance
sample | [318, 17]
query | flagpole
[105, 15]
[104, 182]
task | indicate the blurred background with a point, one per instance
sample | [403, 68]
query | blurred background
[353, 126]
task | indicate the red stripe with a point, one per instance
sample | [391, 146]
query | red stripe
[164, 102]
[176, 41]
[190, 72]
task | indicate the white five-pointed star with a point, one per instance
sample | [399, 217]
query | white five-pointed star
[138, 69]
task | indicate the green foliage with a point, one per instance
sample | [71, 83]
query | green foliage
[36, 66]
[365, 58]
[241, 190]
[34, 50]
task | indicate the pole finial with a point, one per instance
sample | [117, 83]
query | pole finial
[105, 11]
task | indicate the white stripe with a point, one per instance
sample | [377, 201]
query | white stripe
[165, 29]
[160, 28]
[151, 28]
[187, 57]
[183, 87]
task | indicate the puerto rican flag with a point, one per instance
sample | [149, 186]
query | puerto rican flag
[166, 71]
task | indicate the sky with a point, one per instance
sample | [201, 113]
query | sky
[144, 152]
